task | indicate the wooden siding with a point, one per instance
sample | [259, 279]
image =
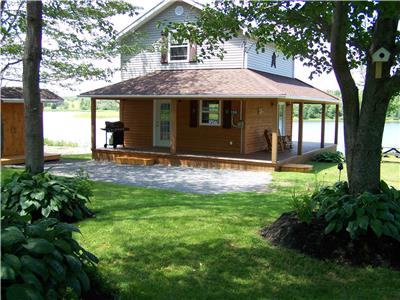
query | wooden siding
[205, 138]
[137, 115]
[262, 61]
[149, 60]
[12, 124]
[258, 117]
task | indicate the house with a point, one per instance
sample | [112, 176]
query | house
[212, 113]
[12, 124]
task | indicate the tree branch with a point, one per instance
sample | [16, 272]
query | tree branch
[10, 64]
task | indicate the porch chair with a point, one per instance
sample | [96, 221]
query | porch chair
[268, 138]
[287, 140]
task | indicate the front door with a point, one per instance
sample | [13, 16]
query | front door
[162, 124]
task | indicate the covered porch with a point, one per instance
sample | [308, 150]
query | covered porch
[218, 120]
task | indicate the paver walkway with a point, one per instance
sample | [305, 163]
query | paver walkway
[191, 180]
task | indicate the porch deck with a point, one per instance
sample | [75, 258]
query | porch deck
[20, 159]
[258, 161]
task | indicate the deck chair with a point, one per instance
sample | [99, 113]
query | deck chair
[268, 138]
[286, 140]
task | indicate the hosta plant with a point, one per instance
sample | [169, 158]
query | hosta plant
[46, 195]
[357, 214]
[42, 260]
[333, 157]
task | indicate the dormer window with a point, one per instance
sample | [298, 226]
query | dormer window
[178, 51]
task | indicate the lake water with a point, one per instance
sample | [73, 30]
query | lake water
[66, 126]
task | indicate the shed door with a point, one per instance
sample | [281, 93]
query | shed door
[12, 127]
[162, 124]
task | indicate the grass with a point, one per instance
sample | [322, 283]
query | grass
[58, 143]
[157, 244]
[85, 156]
[100, 114]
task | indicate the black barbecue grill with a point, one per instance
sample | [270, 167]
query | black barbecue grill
[117, 129]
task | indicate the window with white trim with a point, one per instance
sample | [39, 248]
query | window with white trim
[178, 51]
[210, 112]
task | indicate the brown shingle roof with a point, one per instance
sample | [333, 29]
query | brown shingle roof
[216, 83]
[16, 94]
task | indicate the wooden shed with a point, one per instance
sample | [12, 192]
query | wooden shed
[12, 124]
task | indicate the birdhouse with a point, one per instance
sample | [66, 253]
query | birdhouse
[380, 56]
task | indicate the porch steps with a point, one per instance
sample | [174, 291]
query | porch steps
[132, 160]
[296, 168]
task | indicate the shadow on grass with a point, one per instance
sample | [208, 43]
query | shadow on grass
[156, 244]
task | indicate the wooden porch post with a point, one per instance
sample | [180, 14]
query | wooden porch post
[323, 112]
[274, 150]
[336, 124]
[93, 124]
[300, 136]
[174, 104]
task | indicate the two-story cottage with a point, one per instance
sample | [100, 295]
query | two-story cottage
[236, 112]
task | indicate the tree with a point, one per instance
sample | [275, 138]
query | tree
[31, 73]
[78, 37]
[338, 36]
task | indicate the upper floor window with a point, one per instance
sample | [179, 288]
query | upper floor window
[178, 51]
[210, 112]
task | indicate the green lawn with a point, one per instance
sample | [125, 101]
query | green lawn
[156, 244]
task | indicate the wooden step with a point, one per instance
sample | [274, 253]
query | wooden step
[296, 168]
[131, 160]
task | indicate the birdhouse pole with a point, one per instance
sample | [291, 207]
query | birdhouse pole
[378, 70]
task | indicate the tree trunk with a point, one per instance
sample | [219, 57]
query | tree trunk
[363, 130]
[34, 156]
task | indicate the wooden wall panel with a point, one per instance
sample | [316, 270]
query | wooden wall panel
[205, 138]
[258, 117]
[137, 115]
[13, 138]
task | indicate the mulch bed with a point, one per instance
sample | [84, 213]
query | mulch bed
[288, 231]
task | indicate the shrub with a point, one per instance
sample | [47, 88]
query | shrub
[303, 206]
[335, 157]
[359, 213]
[46, 195]
[42, 260]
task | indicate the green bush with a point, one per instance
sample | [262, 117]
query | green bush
[336, 157]
[42, 260]
[46, 195]
[359, 213]
[303, 206]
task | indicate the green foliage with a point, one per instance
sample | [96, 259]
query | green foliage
[303, 206]
[335, 157]
[394, 108]
[62, 143]
[83, 104]
[46, 195]
[359, 213]
[42, 260]
[72, 30]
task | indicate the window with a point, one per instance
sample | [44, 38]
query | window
[281, 117]
[178, 51]
[210, 113]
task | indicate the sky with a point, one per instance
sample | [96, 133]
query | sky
[323, 82]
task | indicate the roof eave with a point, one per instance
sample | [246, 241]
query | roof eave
[221, 96]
